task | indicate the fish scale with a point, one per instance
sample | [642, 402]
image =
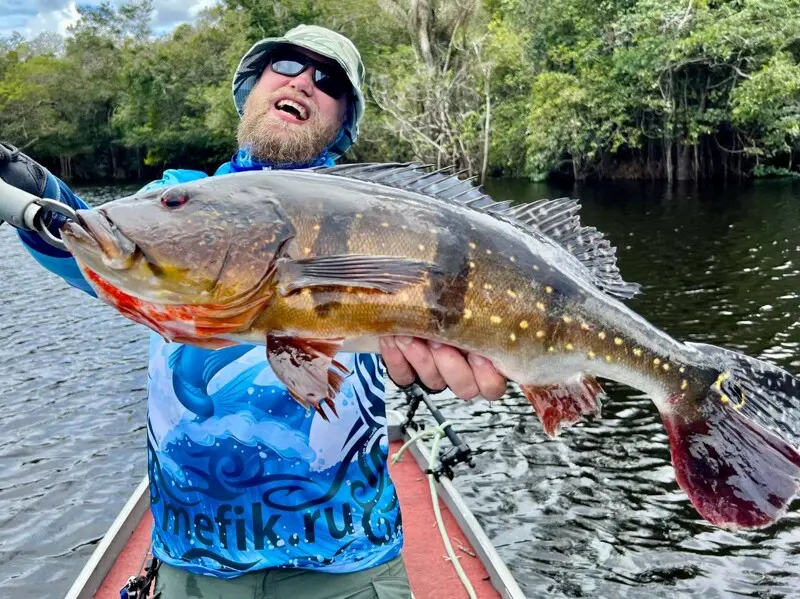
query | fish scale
[310, 263]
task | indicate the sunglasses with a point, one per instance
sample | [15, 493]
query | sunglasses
[329, 79]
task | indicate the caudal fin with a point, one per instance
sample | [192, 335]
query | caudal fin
[735, 442]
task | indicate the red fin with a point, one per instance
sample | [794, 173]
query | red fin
[736, 473]
[564, 404]
[307, 368]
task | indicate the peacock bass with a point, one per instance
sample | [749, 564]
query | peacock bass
[311, 263]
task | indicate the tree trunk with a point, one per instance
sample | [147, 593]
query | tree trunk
[420, 10]
[486, 124]
[668, 160]
[684, 158]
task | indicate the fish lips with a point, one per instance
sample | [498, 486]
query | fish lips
[94, 232]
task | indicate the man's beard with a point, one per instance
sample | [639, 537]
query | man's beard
[273, 140]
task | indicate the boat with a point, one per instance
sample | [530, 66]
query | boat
[422, 483]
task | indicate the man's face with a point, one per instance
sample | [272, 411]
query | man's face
[288, 120]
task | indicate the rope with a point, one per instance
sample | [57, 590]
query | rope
[437, 433]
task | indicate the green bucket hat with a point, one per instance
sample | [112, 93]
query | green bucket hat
[324, 42]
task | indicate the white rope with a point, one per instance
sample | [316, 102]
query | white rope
[437, 433]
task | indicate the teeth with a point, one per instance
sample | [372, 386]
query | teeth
[301, 110]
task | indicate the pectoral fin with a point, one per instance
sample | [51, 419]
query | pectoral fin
[307, 368]
[382, 273]
[564, 404]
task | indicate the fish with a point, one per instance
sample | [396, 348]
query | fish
[310, 263]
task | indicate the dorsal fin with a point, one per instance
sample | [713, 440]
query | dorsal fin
[556, 219]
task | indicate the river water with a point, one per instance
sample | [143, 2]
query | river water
[596, 513]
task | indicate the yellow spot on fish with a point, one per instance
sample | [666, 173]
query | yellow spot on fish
[489, 252]
[551, 349]
[359, 215]
[540, 306]
[665, 366]
[316, 227]
[495, 319]
[306, 251]
[513, 337]
[567, 319]
[523, 324]
[472, 265]
[488, 286]
[601, 334]
[385, 225]
[617, 341]
[470, 284]
[421, 247]
[513, 259]
[306, 291]
[656, 361]
[535, 267]
[510, 293]
[684, 384]
[591, 355]
[637, 352]
[682, 369]
[608, 358]
[569, 347]
[540, 334]
[548, 289]
[472, 246]
[585, 326]
[467, 313]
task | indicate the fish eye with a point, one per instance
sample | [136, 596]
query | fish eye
[174, 199]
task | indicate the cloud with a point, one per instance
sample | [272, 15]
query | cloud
[32, 18]
[35, 18]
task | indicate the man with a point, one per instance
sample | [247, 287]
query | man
[252, 495]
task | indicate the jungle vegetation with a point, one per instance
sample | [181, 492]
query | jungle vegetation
[605, 89]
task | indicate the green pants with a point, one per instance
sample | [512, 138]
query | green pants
[387, 581]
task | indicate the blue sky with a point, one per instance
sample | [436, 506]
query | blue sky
[32, 17]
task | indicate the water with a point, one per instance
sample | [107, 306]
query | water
[596, 513]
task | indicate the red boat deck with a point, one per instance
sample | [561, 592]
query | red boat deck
[430, 571]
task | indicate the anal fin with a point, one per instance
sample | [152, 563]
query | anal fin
[565, 403]
[307, 368]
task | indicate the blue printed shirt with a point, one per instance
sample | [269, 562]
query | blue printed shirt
[243, 478]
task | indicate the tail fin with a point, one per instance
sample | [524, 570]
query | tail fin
[734, 443]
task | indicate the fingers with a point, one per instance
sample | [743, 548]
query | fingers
[399, 369]
[420, 359]
[491, 383]
[455, 370]
[439, 366]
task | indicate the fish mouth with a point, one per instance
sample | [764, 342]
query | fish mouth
[93, 233]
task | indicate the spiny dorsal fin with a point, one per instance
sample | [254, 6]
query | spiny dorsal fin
[556, 219]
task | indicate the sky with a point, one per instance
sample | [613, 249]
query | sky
[32, 17]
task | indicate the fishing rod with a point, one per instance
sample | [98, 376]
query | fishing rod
[25, 211]
[459, 453]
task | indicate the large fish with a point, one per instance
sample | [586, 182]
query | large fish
[311, 263]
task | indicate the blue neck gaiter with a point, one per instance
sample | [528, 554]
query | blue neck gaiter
[243, 161]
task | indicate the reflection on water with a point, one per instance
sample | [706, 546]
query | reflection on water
[596, 513]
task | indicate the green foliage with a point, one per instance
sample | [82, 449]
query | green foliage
[670, 89]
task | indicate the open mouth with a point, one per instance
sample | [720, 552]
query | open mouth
[292, 108]
[95, 232]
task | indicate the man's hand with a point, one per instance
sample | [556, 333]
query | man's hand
[439, 366]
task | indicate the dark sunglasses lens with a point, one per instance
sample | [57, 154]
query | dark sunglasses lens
[288, 67]
[334, 84]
